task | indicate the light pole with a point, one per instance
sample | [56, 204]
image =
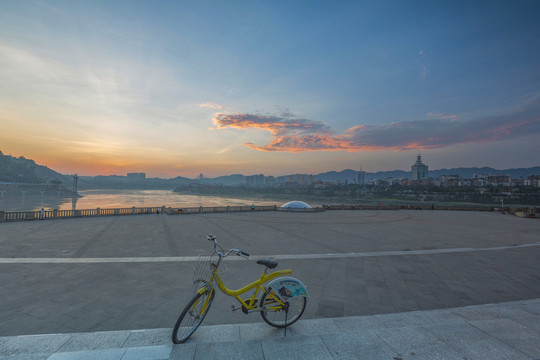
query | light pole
[75, 183]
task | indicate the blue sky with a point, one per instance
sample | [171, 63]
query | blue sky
[186, 87]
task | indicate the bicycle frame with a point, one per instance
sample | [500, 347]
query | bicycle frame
[252, 306]
[275, 290]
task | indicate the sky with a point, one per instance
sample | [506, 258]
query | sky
[180, 88]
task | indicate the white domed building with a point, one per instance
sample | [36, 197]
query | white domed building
[295, 206]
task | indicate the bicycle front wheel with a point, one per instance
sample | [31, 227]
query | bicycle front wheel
[277, 315]
[192, 316]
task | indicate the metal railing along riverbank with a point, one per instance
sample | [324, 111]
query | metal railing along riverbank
[6, 216]
[65, 214]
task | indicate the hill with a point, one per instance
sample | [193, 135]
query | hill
[22, 170]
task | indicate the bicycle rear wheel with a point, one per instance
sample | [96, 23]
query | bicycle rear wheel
[192, 316]
[278, 315]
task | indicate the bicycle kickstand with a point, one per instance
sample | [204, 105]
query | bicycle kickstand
[286, 313]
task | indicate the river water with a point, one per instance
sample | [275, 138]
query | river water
[92, 199]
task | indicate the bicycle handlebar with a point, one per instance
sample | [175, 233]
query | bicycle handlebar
[221, 252]
[243, 253]
[240, 253]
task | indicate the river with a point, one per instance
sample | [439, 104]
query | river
[92, 199]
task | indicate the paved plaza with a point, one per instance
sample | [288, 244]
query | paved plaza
[130, 273]
[134, 272]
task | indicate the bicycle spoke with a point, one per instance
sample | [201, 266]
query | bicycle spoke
[279, 315]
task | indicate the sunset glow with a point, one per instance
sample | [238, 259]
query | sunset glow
[183, 88]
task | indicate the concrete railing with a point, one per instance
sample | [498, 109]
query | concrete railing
[64, 214]
[6, 216]
[408, 207]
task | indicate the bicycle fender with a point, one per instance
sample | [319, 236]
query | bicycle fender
[288, 287]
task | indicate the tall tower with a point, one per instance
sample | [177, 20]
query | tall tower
[361, 177]
[75, 183]
[419, 170]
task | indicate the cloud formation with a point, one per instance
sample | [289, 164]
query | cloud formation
[209, 105]
[292, 134]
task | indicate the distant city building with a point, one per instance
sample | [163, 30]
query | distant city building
[361, 178]
[449, 180]
[136, 176]
[533, 180]
[419, 170]
[255, 180]
[499, 179]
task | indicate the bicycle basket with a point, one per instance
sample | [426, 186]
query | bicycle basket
[203, 270]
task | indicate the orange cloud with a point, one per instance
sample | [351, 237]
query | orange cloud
[292, 134]
[276, 125]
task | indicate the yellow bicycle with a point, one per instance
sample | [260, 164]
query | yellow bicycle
[282, 301]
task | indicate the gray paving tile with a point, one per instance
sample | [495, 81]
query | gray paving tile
[474, 343]
[401, 319]
[26, 357]
[216, 333]
[357, 323]
[440, 351]
[533, 307]
[513, 334]
[249, 349]
[481, 313]
[109, 354]
[33, 344]
[439, 317]
[510, 311]
[151, 337]
[160, 352]
[313, 327]
[259, 331]
[295, 348]
[95, 341]
[185, 351]
[330, 307]
[408, 341]
[489, 350]
[532, 322]
[358, 345]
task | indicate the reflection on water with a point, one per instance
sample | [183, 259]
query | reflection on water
[92, 199]
[31, 203]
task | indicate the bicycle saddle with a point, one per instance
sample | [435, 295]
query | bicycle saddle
[268, 263]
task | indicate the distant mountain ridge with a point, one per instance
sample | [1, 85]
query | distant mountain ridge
[463, 172]
[350, 175]
[22, 170]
